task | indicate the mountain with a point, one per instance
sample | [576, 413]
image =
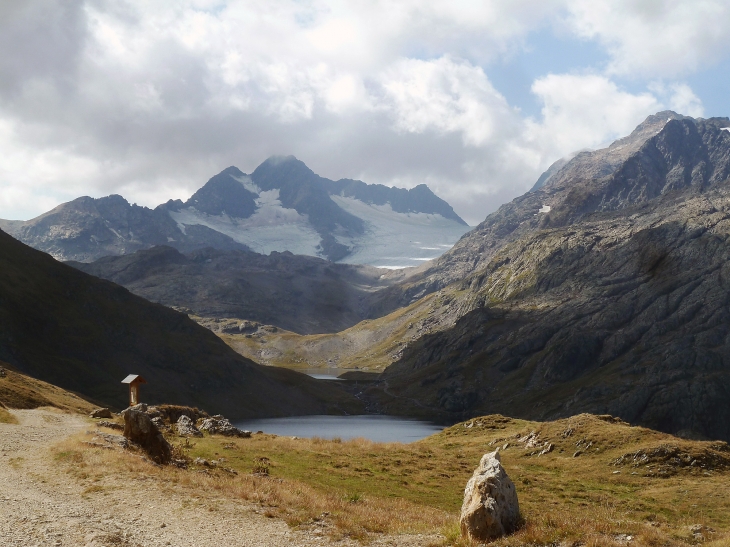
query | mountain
[85, 335]
[629, 171]
[281, 206]
[302, 294]
[613, 299]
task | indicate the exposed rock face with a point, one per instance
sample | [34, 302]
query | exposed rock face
[221, 426]
[614, 302]
[139, 429]
[101, 413]
[490, 509]
[667, 152]
[186, 428]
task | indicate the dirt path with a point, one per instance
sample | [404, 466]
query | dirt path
[42, 506]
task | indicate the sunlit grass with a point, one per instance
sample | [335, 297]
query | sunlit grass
[361, 488]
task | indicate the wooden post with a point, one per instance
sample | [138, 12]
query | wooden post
[134, 381]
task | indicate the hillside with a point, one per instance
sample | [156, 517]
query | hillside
[282, 206]
[615, 301]
[666, 152]
[302, 294]
[85, 335]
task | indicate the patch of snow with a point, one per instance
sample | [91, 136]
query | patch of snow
[248, 184]
[397, 240]
[544, 209]
[726, 129]
[271, 228]
[115, 232]
[169, 239]
[391, 240]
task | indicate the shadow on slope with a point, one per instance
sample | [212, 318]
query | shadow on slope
[571, 321]
[85, 335]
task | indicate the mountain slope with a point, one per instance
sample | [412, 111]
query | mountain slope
[614, 301]
[667, 152]
[281, 206]
[88, 228]
[85, 335]
[302, 294]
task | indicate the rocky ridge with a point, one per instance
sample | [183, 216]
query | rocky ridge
[281, 206]
[614, 301]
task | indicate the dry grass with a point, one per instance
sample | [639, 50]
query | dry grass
[362, 488]
[349, 514]
[6, 417]
[20, 391]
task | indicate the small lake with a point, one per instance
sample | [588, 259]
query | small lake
[384, 429]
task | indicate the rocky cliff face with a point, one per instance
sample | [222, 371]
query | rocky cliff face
[281, 206]
[613, 301]
[667, 153]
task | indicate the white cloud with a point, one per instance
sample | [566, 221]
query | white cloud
[150, 98]
[446, 96]
[585, 111]
[655, 38]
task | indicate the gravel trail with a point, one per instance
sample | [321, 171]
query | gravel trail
[42, 506]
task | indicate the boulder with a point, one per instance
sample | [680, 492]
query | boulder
[186, 428]
[221, 426]
[490, 509]
[2, 372]
[139, 429]
[101, 413]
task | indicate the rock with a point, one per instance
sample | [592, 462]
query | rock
[110, 425]
[139, 428]
[101, 413]
[490, 509]
[186, 427]
[2, 372]
[118, 440]
[221, 426]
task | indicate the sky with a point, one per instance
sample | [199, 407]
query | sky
[149, 98]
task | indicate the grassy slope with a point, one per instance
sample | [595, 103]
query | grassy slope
[85, 335]
[20, 391]
[370, 345]
[368, 487]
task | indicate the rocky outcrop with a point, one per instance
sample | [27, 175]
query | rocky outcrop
[218, 425]
[186, 427]
[490, 509]
[667, 153]
[101, 413]
[139, 429]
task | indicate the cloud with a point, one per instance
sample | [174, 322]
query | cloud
[655, 38]
[149, 99]
[585, 111]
